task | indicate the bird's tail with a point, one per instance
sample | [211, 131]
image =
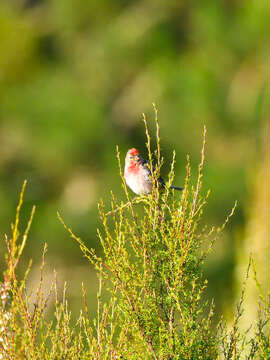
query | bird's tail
[176, 188]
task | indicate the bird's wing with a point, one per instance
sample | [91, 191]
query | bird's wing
[146, 164]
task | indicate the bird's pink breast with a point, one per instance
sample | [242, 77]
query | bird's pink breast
[133, 169]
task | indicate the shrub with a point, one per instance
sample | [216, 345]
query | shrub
[153, 250]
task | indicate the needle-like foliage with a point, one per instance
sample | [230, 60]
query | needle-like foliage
[153, 250]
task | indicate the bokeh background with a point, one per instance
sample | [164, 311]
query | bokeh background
[75, 76]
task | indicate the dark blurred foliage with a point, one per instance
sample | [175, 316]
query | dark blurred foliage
[75, 76]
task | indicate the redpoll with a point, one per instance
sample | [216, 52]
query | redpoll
[138, 175]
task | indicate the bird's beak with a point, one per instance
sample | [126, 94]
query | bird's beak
[136, 157]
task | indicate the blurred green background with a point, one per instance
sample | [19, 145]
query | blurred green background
[75, 76]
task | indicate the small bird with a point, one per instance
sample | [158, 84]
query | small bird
[138, 175]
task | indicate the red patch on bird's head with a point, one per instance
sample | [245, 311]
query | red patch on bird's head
[133, 152]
